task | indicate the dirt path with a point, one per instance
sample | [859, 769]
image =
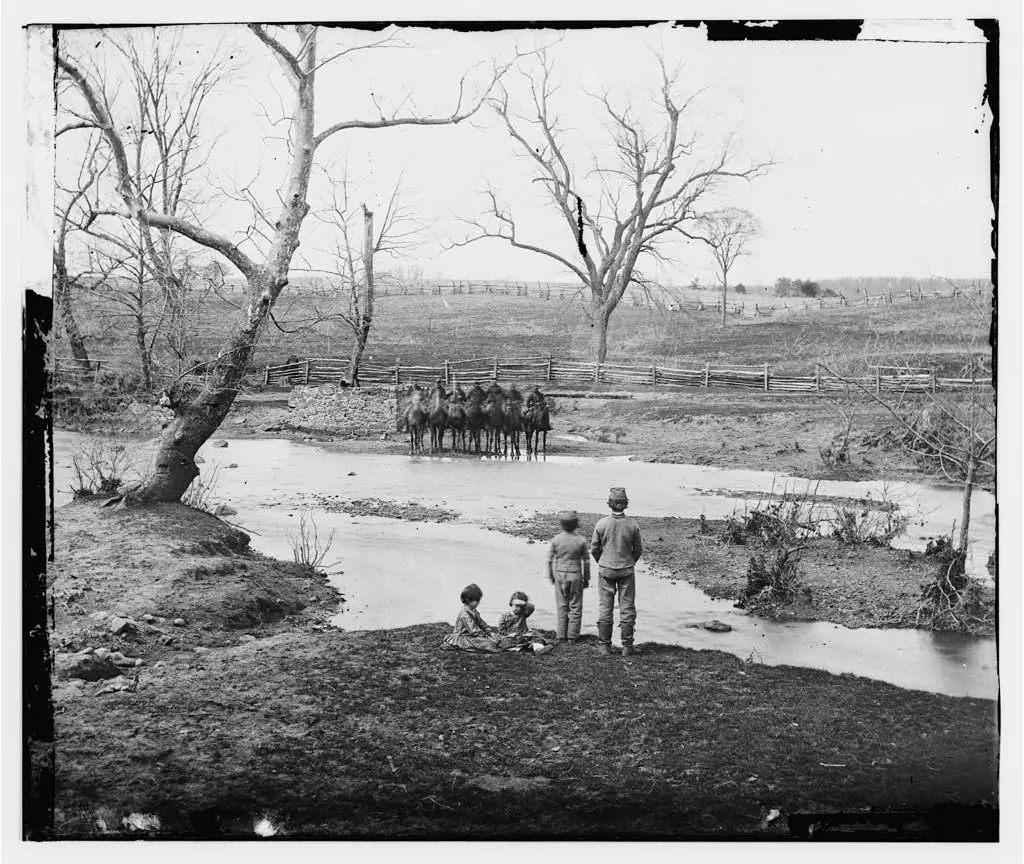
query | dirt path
[255, 710]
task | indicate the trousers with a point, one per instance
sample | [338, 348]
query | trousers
[612, 584]
[568, 605]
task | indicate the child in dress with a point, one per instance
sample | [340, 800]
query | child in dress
[515, 633]
[471, 633]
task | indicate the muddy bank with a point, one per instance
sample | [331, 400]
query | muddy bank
[379, 734]
[411, 512]
[855, 586]
[181, 576]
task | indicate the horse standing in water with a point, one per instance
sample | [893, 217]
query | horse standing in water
[437, 418]
[512, 411]
[495, 423]
[457, 420]
[475, 418]
[536, 422]
[415, 421]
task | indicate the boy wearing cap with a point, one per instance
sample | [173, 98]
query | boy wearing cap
[616, 547]
[569, 572]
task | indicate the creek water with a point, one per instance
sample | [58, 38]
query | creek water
[396, 573]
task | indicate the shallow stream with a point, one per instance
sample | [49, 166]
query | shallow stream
[397, 573]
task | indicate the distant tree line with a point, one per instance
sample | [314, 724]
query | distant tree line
[786, 287]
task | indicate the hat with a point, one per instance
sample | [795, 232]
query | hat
[617, 495]
[569, 516]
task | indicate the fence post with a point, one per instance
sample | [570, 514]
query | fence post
[549, 367]
[397, 373]
[306, 381]
[266, 376]
[707, 374]
[447, 373]
[654, 375]
[597, 371]
[817, 378]
[878, 380]
[765, 377]
[933, 380]
[495, 368]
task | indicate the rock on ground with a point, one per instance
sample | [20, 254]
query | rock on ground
[88, 667]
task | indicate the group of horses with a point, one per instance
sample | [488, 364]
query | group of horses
[497, 416]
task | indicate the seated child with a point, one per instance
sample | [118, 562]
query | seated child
[515, 633]
[471, 633]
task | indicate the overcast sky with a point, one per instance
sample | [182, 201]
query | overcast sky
[881, 148]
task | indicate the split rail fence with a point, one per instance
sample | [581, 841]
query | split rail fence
[580, 373]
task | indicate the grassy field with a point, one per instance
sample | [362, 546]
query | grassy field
[420, 329]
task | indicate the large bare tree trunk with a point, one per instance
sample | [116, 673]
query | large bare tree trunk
[601, 317]
[725, 296]
[200, 410]
[965, 516]
[62, 290]
[362, 326]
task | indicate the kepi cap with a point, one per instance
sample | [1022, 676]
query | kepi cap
[617, 495]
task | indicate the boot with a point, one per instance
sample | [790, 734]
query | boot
[605, 648]
[630, 651]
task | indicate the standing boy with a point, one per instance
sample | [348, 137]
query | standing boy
[569, 571]
[616, 548]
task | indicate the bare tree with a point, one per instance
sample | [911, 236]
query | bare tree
[70, 215]
[646, 194]
[200, 405]
[727, 233]
[352, 287]
[952, 432]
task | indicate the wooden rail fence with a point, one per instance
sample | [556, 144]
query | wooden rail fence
[548, 370]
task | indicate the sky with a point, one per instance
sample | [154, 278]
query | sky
[880, 148]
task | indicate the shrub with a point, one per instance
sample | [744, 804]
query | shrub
[774, 578]
[101, 465]
[307, 547]
[733, 531]
[853, 524]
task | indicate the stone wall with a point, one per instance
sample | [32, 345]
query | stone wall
[352, 410]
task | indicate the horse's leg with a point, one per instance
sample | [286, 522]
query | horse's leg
[545, 443]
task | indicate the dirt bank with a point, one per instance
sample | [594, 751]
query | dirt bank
[378, 734]
[855, 586]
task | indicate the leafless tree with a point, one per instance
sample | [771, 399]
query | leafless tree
[727, 233]
[201, 405]
[71, 213]
[952, 432]
[397, 235]
[165, 149]
[646, 193]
